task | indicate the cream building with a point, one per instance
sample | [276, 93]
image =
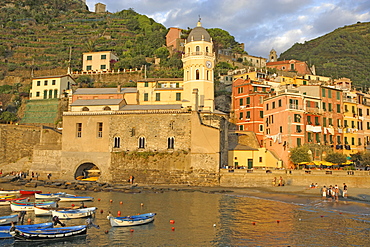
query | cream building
[97, 61]
[51, 87]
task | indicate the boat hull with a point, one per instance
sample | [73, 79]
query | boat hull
[8, 192]
[8, 201]
[35, 226]
[16, 207]
[52, 196]
[49, 234]
[131, 220]
[30, 192]
[75, 198]
[74, 214]
[7, 220]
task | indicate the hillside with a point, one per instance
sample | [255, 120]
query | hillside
[345, 52]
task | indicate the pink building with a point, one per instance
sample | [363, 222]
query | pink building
[174, 40]
[291, 66]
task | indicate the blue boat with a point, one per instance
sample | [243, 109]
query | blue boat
[7, 220]
[35, 226]
[47, 234]
[133, 220]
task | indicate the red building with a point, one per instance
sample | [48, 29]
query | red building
[301, 68]
[247, 104]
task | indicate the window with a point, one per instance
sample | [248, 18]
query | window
[45, 94]
[89, 58]
[346, 108]
[309, 120]
[273, 105]
[323, 92]
[360, 112]
[359, 142]
[260, 128]
[197, 74]
[292, 66]
[281, 129]
[331, 139]
[157, 97]
[329, 94]
[267, 107]
[324, 122]
[117, 142]
[53, 82]
[353, 109]
[352, 141]
[309, 137]
[260, 159]
[298, 129]
[103, 66]
[241, 115]
[338, 95]
[178, 96]
[146, 96]
[297, 118]
[240, 90]
[241, 127]
[317, 137]
[324, 106]
[85, 108]
[330, 107]
[38, 83]
[263, 89]
[107, 108]
[345, 124]
[248, 101]
[37, 94]
[100, 130]
[55, 93]
[368, 125]
[142, 142]
[240, 102]
[103, 57]
[248, 114]
[197, 50]
[338, 140]
[317, 121]
[353, 124]
[255, 89]
[79, 130]
[279, 103]
[146, 84]
[339, 123]
[50, 93]
[346, 140]
[299, 142]
[330, 121]
[261, 114]
[338, 108]
[170, 143]
[88, 67]
[45, 83]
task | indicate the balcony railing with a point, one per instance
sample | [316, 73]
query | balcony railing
[314, 110]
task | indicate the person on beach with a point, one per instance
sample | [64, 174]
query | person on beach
[336, 193]
[274, 182]
[345, 190]
[323, 192]
[281, 183]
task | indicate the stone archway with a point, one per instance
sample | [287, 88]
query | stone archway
[87, 170]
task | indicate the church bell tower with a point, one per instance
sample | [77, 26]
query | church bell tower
[198, 64]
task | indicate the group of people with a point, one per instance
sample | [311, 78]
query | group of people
[278, 182]
[333, 192]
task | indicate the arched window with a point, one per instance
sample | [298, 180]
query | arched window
[197, 74]
[189, 50]
[50, 93]
[207, 49]
[187, 75]
[141, 142]
[207, 75]
[197, 50]
[55, 93]
[85, 109]
[107, 108]
[170, 143]
[117, 142]
[45, 94]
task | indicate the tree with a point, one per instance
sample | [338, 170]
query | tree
[162, 53]
[8, 117]
[336, 158]
[300, 154]
[365, 159]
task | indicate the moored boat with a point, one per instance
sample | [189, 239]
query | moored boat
[7, 196]
[40, 211]
[133, 220]
[74, 198]
[74, 213]
[49, 196]
[34, 226]
[9, 192]
[46, 234]
[6, 220]
[8, 201]
[30, 192]
[26, 206]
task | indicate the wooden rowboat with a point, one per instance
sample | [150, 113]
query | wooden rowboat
[19, 206]
[30, 192]
[34, 226]
[9, 192]
[74, 213]
[7, 220]
[73, 198]
[8, 201]
[133, 220]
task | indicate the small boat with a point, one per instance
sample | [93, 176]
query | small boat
[7, 220]
[47, 234]
[49, 196]
[74, 198]
[74, 213]
[9, 192]
[35, 226]
[39, 211]
[133, 220]
[8, 196]
[27, 206]
[5, 235]
[8, 201]
[30, 192]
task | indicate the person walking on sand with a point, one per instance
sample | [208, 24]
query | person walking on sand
[345, 190]
[336, 193]
[323, 192]
[274, 182]
[281, 181]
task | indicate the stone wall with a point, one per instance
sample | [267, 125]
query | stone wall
[17, 141]
[159, 168]
[259, 178]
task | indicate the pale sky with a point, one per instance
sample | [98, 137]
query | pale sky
[260, 24]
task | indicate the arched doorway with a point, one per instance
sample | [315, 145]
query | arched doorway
[88, 172]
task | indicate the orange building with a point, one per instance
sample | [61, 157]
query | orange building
[174, 40]
[301, 68]
[248, 96]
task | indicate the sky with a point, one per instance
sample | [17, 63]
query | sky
[261, 25]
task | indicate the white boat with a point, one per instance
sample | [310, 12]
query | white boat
[8, 201]
[49, 196]
[74, 213]
[73, 198]
[9, 192]
[24, 206]
[6, 220]
[133, 220]
[41, 211]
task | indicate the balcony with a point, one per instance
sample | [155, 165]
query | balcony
[314, 110]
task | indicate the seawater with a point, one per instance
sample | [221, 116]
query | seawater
[211, 219]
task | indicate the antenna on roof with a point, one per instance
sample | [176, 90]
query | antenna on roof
[199, 24]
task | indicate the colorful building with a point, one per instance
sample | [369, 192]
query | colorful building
[100, 61]
[51, 87]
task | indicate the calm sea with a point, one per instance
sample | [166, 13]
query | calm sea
[204, 219]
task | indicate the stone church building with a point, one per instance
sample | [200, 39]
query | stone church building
[163, 131]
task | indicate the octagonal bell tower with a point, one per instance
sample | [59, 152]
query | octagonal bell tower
[198, 64]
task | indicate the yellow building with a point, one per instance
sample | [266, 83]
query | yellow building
[350, 122]
[51, 87]
[98, 61]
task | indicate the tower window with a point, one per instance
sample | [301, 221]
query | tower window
[142, 142]
[117, 142]
[170, 143]
[79, 129]
[197, 74]
[197, 50]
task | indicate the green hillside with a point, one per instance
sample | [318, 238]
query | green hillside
[345, 52]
